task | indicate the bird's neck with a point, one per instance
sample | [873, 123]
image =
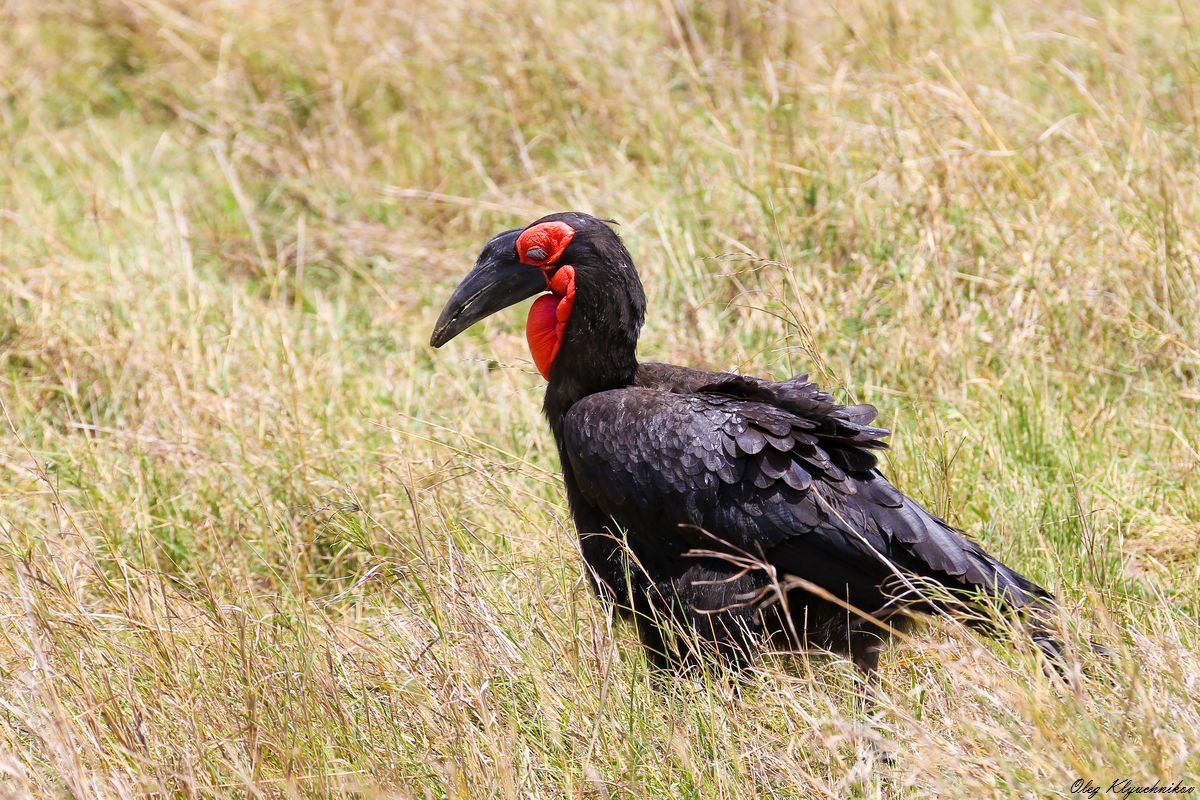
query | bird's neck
[575, 376]
[599, 345]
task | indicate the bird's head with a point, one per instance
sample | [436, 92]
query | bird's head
[579, 265]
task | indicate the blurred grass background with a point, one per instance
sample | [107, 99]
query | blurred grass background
[258, 541]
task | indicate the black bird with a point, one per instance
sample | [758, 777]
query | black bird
[741, 512]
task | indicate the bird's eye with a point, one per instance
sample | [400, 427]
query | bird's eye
[544, 243]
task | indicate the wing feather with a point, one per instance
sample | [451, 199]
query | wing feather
[785, 472]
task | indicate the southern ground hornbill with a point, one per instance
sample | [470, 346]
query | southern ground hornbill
[742, 512]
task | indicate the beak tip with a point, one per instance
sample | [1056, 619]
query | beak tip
[497, 281]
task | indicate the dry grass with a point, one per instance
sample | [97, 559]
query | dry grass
[258, 541]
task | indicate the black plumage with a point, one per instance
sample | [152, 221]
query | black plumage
[744, 512]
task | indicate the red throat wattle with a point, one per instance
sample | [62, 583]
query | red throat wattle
[548, 319]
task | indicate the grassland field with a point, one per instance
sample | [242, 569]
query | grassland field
[257, 539]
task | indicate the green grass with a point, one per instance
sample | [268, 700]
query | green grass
[259, 540]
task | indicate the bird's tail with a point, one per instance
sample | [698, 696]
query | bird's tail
[1008, 596]
[1037, 614]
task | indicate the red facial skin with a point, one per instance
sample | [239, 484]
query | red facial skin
[544, 244]
[540, 246]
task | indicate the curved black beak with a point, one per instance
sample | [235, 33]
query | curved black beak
[497, 281]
